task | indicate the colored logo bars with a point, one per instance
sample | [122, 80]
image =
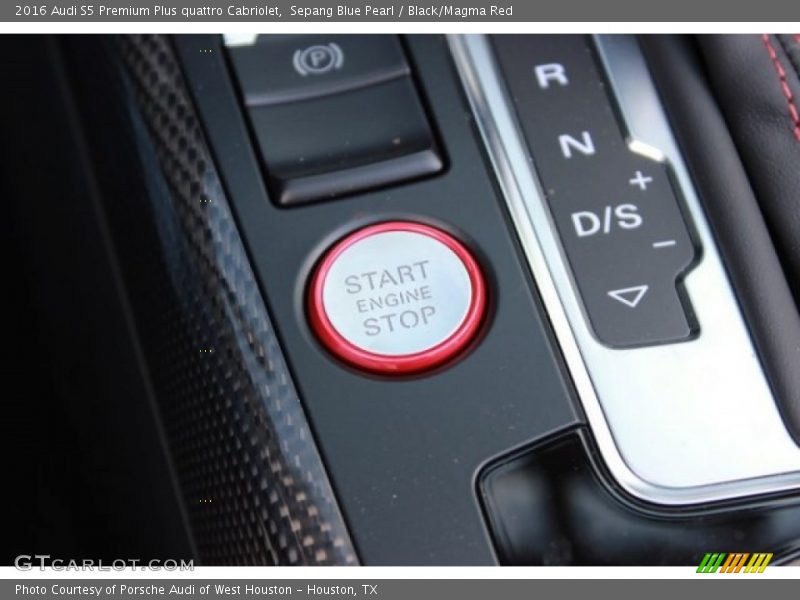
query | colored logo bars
[734, 562]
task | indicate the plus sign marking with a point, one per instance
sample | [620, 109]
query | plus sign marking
[640, 180]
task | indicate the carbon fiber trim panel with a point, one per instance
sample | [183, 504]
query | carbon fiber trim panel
[253, 482]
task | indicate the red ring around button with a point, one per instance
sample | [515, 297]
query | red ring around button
[406, 363]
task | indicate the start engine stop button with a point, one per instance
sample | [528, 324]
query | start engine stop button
[397, 297]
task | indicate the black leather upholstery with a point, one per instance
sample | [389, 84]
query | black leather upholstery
[756, 81]
[742, 167]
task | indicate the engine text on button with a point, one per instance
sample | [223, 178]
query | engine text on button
[411, 303]
[396, 293]
[394, 308]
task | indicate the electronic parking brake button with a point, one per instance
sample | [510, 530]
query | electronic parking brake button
[397, 297]
[276, 68]
[334, 115]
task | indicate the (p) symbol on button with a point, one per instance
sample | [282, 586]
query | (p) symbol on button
[317, 60]
[396, 298]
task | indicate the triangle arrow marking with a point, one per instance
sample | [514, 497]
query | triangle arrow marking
[630, 296]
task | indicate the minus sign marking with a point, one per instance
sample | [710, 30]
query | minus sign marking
[664, 244]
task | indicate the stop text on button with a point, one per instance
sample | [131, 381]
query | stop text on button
[397, 297]
[393, 280]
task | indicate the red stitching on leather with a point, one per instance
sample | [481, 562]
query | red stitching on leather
[787, 91]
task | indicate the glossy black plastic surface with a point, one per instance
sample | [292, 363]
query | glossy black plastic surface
[402, 454]
[549, 506]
